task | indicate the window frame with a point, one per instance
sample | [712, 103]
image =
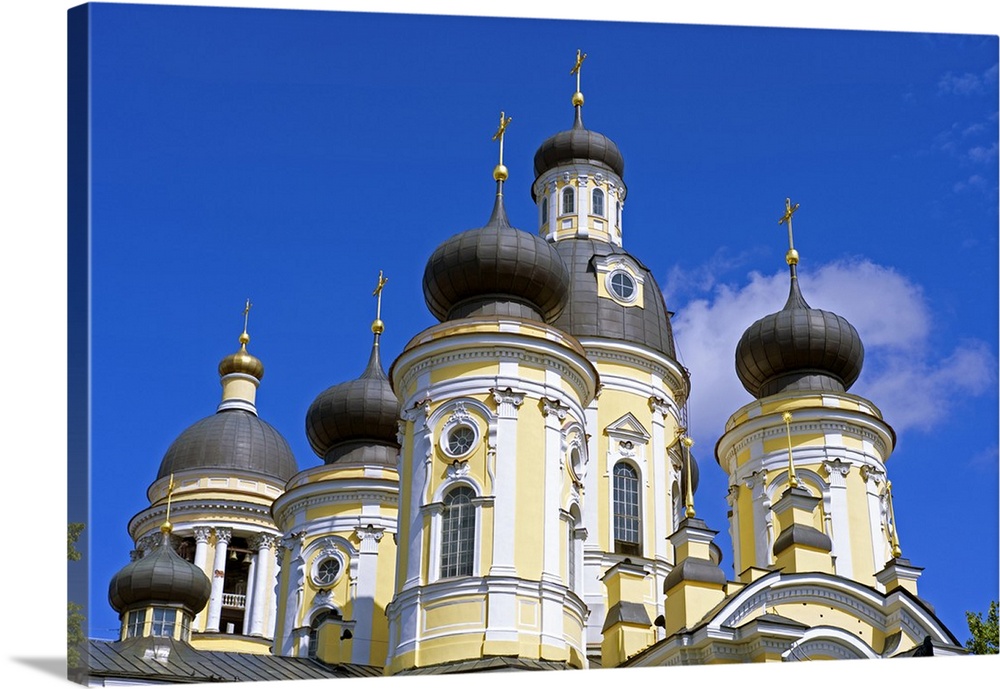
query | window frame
[626, 508]
[458, 532]
[567, 204]
[597, 202]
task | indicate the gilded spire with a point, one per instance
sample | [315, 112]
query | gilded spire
[687, 442]
[578, 95]
[792, 257]
[893, 535]
[167, 527]
[792, 480]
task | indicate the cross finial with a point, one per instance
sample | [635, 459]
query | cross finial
[378, 326]
[792, 257]
[500, 171]
[245, 337]
[580, 57]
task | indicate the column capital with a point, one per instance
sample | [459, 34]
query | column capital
[261, 541]
[202, 534]
[837, 471]
[369, 536]
[873, 477]
[659, 406]
[507, 401]
[223, 534]
[553, 408]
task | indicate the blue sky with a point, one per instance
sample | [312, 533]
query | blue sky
[290, 156]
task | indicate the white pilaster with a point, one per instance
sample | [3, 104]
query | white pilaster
[364, 601]
[505, 501]
[874, 480]
[251, 593]
[294, 594]
[837, 471]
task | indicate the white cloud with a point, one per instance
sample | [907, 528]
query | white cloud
[914, 388]
[983, 154]
[967, 84]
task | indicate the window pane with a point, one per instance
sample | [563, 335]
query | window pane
[458, 533]
[598, 198]
[567, 200]
[626, 504]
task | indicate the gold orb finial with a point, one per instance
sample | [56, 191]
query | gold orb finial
[378, 327]
[577, 99]
[500, 173]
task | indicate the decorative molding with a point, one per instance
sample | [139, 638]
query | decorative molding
[202, 534]
[457, 469]
[837, 471]
[553, 407]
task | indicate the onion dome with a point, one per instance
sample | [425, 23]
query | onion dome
[162, 577]
[579, 145]
[242, 361]
[356, 421]
[496, 270]
[799, 348]
[231, 440]
[587, 314]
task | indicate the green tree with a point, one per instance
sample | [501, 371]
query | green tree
[984, 633]
[74, 621]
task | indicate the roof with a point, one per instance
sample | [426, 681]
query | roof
[161, 659]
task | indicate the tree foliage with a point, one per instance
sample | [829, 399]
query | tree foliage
[74, 619]
[984, 632]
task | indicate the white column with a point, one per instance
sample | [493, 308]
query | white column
[837, 471]
[659, 475]
[222, 537]
[582, 206]
[420, 472]
[201, 536]
[762, 519]
[364, 600]
[248, 598]
[262, 542]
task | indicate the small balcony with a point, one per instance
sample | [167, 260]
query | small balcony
[234, 600]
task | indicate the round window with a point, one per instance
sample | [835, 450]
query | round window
[460, 440]
[622, 285]
[327, 571]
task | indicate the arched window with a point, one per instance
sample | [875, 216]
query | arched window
[545, 209]
[458, 537]
[314, 630]
[626, 509]
[573, 525]
[567, 200]
[618, 212]
[597, 203]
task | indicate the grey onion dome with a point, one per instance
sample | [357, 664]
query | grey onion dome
[587, 314]
[579, 145]
[799, 348]
[356, 421]
[496, 270]
[162, 577]
[231, 440]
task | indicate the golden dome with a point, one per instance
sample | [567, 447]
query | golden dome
[242, 361]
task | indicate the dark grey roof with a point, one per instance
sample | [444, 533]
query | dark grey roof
[181, 663]
[804, 535]
[578, 145]
[162, 577]
[628, 613]
[588, 315]
[799, 348]
[495, 270]
[488, 663]
[231, 439]
[356, 421]
[694, 569]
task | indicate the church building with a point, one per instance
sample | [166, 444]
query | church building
[516, 489]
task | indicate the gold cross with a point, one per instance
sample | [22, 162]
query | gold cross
[170, 492]
[504, 121]
[246, 315]
[580, 57]
[378, 293]
[787, 217]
